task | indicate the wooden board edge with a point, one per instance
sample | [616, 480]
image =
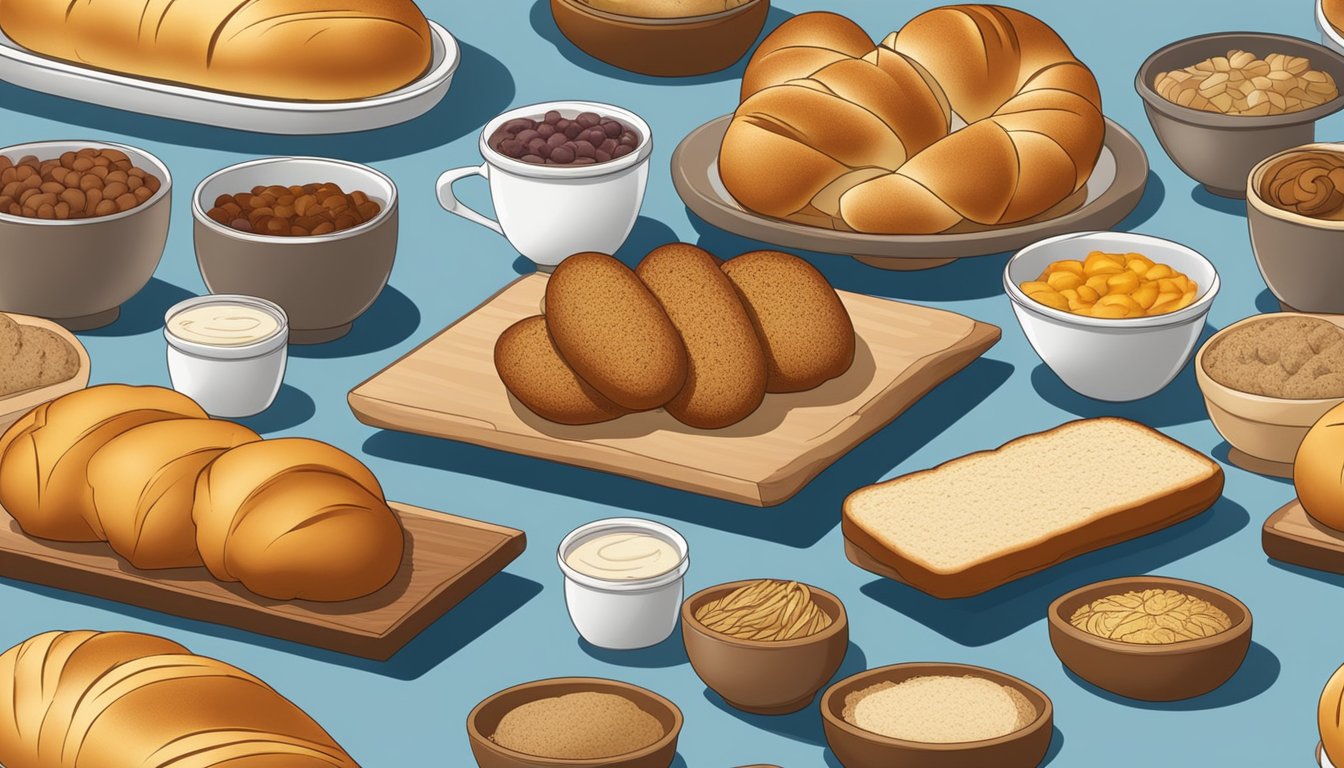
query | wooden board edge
[1296, 550]
[935, 369]
[482, 305]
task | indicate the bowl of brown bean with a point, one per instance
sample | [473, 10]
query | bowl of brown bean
[1221, 103]
[84, 225]
[316, 236]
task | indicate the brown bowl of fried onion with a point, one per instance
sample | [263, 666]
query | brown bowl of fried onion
[766, 646]
[1295, 209]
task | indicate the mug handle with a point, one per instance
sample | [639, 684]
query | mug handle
[452, 205]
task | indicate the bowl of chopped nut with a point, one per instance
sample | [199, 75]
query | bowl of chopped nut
[1221, 103]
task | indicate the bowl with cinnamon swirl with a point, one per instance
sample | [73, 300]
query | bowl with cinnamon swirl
[1295, 209]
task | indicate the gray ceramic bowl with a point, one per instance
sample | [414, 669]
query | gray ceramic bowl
[322, 282]
[79, 272]
[1219, 150]
[1298, 256]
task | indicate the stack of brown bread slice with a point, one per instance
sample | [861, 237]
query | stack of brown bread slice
[147, 471]
[683, 331]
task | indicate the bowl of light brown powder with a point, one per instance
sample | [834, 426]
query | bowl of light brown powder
[574, 721]
[937, 715]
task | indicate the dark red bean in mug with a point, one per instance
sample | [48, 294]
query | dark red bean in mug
[608, 146]
[622, 150]
[552, 117]
[602, 157]
[536, 146]
[517, 124]
[538, 159]
[595, 136]
[527, 135]
[584, 161]
[588, 119]
[628, 139]
[613, 129]
[556, 139]
[562, 155]
[584, 149]
[573, 130]
[512, 148]
[546, 131]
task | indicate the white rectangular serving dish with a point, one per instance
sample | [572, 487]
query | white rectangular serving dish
[226, 110]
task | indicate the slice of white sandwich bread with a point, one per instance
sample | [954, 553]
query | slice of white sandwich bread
[988, 518]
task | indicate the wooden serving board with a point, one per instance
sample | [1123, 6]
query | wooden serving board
[446, 559]
[1292, 536]
[448, 387]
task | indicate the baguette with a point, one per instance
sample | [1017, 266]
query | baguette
[123, 700]
[988, 518]
[298, 50]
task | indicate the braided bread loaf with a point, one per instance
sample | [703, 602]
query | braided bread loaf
[123, 700]
[833, 131]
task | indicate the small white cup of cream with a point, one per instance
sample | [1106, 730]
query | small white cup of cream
[623, 581]
[227, 352]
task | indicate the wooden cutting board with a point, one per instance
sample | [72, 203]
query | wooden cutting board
[446, 559]
[448, 387]
[1290, 535]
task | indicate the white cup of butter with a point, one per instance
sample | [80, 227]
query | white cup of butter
[623, 581]
[227, 352]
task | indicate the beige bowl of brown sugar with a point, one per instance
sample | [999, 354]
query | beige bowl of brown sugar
[1267, 379]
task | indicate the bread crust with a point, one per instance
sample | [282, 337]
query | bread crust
[726, 373]
[534, 372]
[1330, 717]
[1122, 524]
[1317, 468]
[299, 50]
[805, 331]
[613, 332]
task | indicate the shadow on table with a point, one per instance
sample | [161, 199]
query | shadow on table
[482, 87]
[799, 522]
[493, 602]
[1223, 453]
[669, 653]
[678, 761]
[391, 320]
[1266, 301]
[291, 408]
[1256, 675]
[544, 25]
[1230, 206]
[1154, 194]
[1180, 402]
[989, 617]
[970, 278]
[805, 724]
[1325, 577]
[144, 312]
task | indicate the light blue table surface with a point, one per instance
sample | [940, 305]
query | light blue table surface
[411, 710]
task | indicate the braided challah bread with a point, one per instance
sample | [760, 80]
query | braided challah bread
[123, 700]
[833, 131]
[144, 469]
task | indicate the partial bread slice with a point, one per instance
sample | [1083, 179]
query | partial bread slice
[988, 518]
[534, 372]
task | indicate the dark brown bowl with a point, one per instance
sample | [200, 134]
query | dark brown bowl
[764, 677]
[1219, 150]
[325, 282]
[1298, 256]
[1151, 672]
[678, 47]
[857, 748]
[484, 720]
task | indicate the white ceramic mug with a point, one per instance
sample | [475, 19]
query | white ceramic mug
[550, 212]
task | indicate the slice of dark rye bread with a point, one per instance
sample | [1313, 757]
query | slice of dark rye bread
[987, 518]
[725, 380]
[805, 331]
[532, 369]
[614, 333]
[32, 357]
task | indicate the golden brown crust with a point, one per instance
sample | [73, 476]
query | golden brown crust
[144, 482]
[1036, 127]
[726, 373]
[533, 371]
[613, 332]
[302, 50]
[44, 456]
[1330, 717]
[1318, 467]
[296, 518]
[805, 331]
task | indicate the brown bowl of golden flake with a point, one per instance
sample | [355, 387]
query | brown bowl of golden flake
[573, 721]
[1151, 638]
[1267, 379]
[1220, 103]
[1295, 209]
[925, 715]
[765, 645]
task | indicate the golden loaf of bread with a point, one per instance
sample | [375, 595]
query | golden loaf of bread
[836, 133]
[124, 700]
[297, 50]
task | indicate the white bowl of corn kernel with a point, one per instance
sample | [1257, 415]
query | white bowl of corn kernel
[1115, 315]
